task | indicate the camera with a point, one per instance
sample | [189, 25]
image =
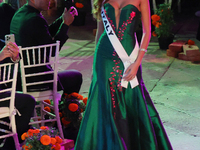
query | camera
[9, 38]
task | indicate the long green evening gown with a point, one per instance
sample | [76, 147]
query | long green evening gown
[117, 118]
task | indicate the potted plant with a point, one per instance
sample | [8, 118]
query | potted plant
[163, 21]
[71, 108]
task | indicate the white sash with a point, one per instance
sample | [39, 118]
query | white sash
[127, 60]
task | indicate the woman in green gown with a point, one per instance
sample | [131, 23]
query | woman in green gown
[116, 117]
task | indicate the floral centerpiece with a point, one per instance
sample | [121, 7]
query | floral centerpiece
[71, 109]
[163, 21]
[41, 139]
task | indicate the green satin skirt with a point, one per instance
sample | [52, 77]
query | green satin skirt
[118, 118]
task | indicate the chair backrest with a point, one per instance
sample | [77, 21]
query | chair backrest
[8, 78]
[39, 67]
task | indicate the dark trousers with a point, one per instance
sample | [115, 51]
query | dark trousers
[70, 80]
[25, 104]
[157, 123]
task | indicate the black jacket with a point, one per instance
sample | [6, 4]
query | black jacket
[31, 29]
[6, 14]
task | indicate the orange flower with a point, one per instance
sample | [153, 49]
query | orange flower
[26, 147]
[47, 101]
[73, 107]
[44, 127]
[74, 94]
[154, 33]
[23, 146]
[36, 131]
[58, 139]
[79, 5]
[190, 42]
[85, 100]
[53, 141]
[158, 24]
[57, 146]
[30, 132]
[24, 136]
[154, 22]
[64, 121]
[47, 109]
[45, 140]
[155, 17]
[80, 97]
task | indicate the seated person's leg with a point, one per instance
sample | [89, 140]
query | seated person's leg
[25, 104]
[71, 80]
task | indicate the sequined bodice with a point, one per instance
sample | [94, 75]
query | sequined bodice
[127, 26]
[128, 21]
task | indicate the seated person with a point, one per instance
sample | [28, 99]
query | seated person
[6, 14]
[24, 103]
[31, 29]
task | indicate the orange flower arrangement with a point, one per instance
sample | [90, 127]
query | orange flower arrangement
[163, 21]
[72, 107]
[43, 138]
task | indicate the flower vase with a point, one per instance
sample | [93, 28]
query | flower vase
[164, 42]
[80, 19]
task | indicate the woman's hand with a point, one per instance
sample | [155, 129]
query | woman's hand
[5, 53]
[10, 50]
[14, 50]
[131, 72]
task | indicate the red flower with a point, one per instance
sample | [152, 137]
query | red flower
[53, 141]
[47, 101]
[44, 128]
[64, 121]
[85, 100]
[154, 22]
[154, 33]
[132, 14]
[158, 24]
[155, 17]
[190, 42]
[73, 107]
[47, 109]
[79, 5]
[58, 139]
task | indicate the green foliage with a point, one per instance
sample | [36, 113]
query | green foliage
[163, 27]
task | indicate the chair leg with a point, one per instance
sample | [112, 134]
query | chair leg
[56, 110]
[17, 145]
[42, 113]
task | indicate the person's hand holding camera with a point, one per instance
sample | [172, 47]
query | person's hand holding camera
[10, 50]
[68, 15]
